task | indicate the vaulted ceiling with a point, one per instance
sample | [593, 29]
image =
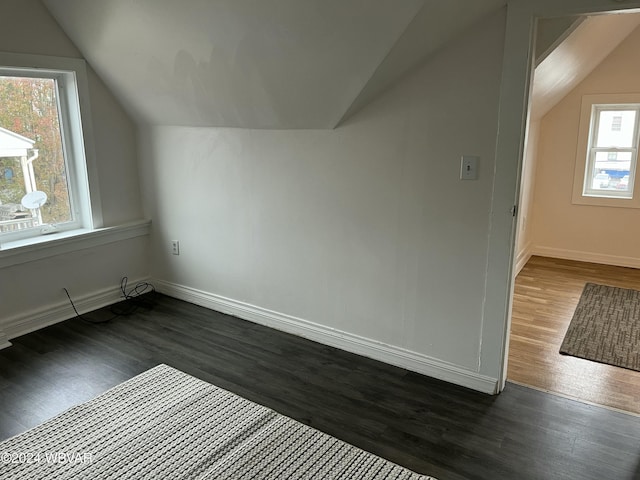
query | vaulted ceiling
[296, 64]
[258, 63]
[574, 55]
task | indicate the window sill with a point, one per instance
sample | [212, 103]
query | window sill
[601, 201]
[37, 248]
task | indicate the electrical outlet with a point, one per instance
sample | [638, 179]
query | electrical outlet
[175, 247]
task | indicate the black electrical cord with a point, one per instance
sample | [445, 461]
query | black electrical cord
[132, 301]
[74, 306]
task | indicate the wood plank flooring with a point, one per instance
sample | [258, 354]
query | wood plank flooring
[424, 424]
[546, 293]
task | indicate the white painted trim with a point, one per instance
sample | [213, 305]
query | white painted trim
[367, 347]
[41, 317]
[4, 341]
[24, 251]
[592, 257]
[523, 257]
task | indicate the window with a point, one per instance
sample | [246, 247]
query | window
[44, 180]
[608, 151]
[616, 123]
[613, 149]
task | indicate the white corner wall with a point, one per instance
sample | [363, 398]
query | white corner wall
[361, 237]
[526, 203]
[31, 294]
[581, 232]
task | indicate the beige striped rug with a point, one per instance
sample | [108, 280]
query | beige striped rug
[167, 425]
[605, 327]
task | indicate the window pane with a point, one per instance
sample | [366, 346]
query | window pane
[609, 170]
[616, 128]
[31, 154]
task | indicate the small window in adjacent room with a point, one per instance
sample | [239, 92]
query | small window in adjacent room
[43, 174]
[608, 151]
[613, 148]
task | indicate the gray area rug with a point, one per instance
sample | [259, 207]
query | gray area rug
[606, 327]
[165, 424]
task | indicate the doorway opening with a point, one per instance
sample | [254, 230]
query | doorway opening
[561, 244]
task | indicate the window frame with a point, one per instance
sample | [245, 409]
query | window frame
[77, 138]
[582, 193]
[593, 150]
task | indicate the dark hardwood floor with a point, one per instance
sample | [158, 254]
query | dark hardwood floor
[424, 424]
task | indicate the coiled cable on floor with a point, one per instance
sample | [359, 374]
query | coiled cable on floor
[133, 299]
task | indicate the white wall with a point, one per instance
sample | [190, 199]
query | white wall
[527, 189]
[32, 293]
[36, 286]
[582, 232]
[366, 231]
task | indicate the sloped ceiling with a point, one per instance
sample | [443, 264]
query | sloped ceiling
[576, 56]
[437, 23]
[551, 32]
[257, 63]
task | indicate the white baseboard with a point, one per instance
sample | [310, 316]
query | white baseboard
[523, 257]
[44, 316]
[591, 257]
[390, 354]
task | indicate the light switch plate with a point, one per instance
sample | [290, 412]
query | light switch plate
[469, 167]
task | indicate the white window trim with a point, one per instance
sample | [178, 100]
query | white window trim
[81, 148]
[596, 110]
[582, 153]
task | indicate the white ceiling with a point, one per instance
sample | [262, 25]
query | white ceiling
[435, 25]
[257, 63]
[583, 49]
